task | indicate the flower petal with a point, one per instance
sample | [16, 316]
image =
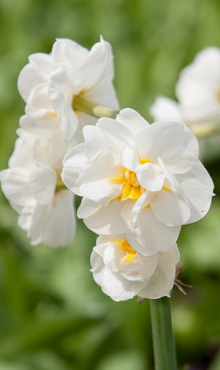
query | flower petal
[59, 226]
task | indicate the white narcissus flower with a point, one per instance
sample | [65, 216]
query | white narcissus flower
[34, 188]
[139, 178]
[122, 273]
[50, 83]
[197, 90]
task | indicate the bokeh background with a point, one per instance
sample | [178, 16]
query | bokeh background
[52, 314]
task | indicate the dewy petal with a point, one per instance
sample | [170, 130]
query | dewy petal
[171, 208]
[166, 109]
[161, 282]
[132, 120]
[59, 226]
[43, 182]
[172, 141]
[198, 187]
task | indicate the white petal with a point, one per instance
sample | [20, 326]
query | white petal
[117, 132]
[103, 93]
[132, 120]
[151, 236]
[34, 73]
[39, 104]
[42, 183]
[59, 226]
[94, 184]
[15, 186]
[197, 187]
[73, 163]
[150, 176]
[113, 284]
[68, 52]
[198, 86]
[129, 159]
[173, 142]
[39, 127]
[170, 208]
[102, 220]
[165, 109]
[21, 157]
[96, 140]
[32, 219]
[161, 282]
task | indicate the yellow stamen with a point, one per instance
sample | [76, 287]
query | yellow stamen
[130, 186]
[144, 160]
[165, 188]
[146, 207]
[125, 246]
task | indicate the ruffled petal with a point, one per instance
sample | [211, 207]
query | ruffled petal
[170, 208]
[161, 282]
[132, 120]
[107, 221]
[173, 142]
[197, 186]
[149, 235]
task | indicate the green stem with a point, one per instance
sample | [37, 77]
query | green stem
[202, 130]
[163, 343]
[82, 104]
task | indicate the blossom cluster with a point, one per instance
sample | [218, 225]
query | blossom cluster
[49, 84]
[139, 183]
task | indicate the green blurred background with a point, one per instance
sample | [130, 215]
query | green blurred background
[52, 314]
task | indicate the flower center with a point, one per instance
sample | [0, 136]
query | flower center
[130, 252]
[131, 188]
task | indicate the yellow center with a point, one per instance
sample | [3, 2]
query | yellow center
[130, 252]
[131, 187]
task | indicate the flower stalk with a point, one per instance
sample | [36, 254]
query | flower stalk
[163, 343]
[202, 130]
[87, 106]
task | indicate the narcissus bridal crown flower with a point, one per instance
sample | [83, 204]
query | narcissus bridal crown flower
[34, 188]
[54, 85]
[139, 178]
[198, 93]
[122, 273]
